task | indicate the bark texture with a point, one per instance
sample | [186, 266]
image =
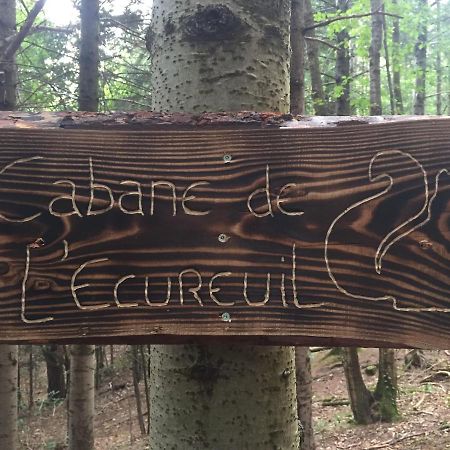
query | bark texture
[374, 57]
[89, 56]
[343, 65]
[396, 74]
[8, 72]
[304, 397]
[420, 52]
[360, 397]
[81, 397]
[56, 376]
[8, 353]
[8, 397]
[210, 56]
[312, 47]
[230, 55]
[386, 390]
[297, 88]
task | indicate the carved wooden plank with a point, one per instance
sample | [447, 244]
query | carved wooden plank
[247, 228]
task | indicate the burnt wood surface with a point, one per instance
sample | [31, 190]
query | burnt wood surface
[346, 220]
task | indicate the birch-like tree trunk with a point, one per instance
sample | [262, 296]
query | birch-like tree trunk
[8, 353]
[82, 357]
[227, 55]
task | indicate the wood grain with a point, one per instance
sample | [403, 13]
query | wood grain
[363, 203]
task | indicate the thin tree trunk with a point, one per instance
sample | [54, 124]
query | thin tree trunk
[388, 65]
[297, 87]
[81, 397]
[8, 353]
[386, 390]
[137, 393]
[438, 60]
[374, 58]
[360, 397]
[56, 377]
[397, 85]
[82, 357]
[304, 397]
[8, 397]
[312, 47]
[420, 53]
[343, 107]
[146, 385]
[213, 57]
[297, 106]
[30, 379]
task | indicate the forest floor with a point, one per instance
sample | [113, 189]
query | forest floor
[424, 404]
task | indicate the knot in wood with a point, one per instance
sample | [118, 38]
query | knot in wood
[212, 23]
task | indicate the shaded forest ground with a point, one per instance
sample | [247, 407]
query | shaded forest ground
[424, 402]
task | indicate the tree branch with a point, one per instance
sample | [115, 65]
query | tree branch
[352, 16]
[17, 40]
[322, 41]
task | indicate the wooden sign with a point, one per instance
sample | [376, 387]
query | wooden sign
[247, 228]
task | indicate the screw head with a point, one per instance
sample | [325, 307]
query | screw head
[225, 317]
[425, 245]
[227, 158]
[223, 238]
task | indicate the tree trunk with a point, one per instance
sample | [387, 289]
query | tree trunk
[212, 56]
[304, 397]
[56, 376]
[8, 353]
[81, 397]
[8, 70]
[137, 393]
[343, 65]
[386, 390]
[312, 48]
[297, 87]
[297, 106]
[374, 58]
[388, 64]
[82, 357]
[89, 58]
[396, 75]
[438, 59]
[420, 53]
[360, 397]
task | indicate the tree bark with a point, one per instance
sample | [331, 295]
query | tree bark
[8, 353]
[420, 53]
[89, 58]
[297, 86]
[388, 65]
[56, 377]
[360, 397]
[304, 397]
[386, 390]
[374, 58]
[8, 70]
[396, 75]
[343, 107]
[312, 47]
[82, 357]
[81, 397]
[212, 56]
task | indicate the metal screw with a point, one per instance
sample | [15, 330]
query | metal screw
[226, 317]
[223, 238]
[227, 159]
[425, 245]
